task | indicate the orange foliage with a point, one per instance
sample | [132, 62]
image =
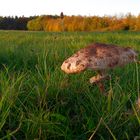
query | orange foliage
[83, 23]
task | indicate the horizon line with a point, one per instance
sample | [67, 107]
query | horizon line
[105, 15]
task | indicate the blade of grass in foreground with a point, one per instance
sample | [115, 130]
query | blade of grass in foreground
[10, 88]
[100, 122]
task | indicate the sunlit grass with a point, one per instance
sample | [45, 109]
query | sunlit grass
[39, 101]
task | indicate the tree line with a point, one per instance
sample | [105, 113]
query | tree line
[71, 23]
[14, 23]
[85, 23]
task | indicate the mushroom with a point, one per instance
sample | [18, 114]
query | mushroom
[99, 57]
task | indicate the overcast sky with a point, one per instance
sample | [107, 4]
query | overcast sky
[68, 7]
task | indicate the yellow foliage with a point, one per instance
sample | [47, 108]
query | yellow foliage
[84, 23]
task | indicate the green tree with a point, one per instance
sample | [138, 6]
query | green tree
[35, 25]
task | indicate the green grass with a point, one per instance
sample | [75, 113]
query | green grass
[39, 101]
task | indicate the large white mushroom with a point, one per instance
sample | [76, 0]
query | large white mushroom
[99, 57]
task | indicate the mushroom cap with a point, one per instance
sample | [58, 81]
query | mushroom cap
[98, 56]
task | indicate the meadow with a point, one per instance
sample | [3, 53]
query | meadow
[38, 101]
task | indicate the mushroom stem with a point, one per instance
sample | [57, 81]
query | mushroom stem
[101, 87]
[99, 80]
[99, 77]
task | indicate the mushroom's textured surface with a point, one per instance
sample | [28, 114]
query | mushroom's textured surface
[98, 57]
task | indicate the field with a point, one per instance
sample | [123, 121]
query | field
[38, 101]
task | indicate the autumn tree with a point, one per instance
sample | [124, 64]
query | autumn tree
[80, 23]
[137, 26]
[35, 25]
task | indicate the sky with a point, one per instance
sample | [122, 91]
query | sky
[68, 7]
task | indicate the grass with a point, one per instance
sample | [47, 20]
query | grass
[39, 101]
